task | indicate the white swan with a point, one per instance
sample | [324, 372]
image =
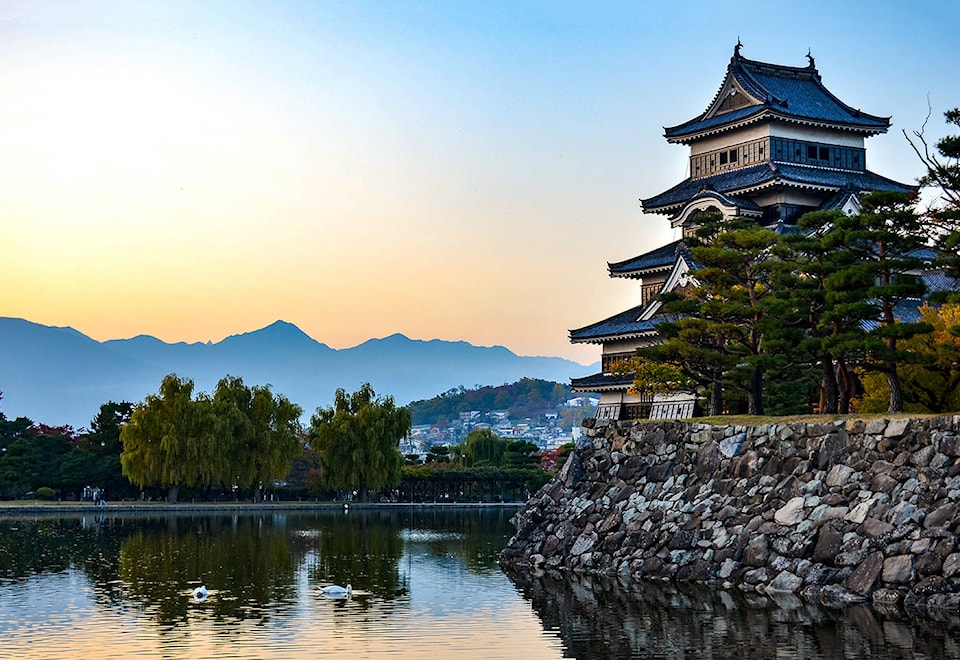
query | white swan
[336, 590]
[200, 592]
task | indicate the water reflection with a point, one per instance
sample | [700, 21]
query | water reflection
[253, 565]
[427, 585]
[603, 618]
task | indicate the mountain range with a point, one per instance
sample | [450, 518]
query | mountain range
[59, 376]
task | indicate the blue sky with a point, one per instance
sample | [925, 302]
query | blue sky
[460, 170]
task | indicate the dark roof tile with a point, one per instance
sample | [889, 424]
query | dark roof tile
[733, 181]
[624, 323]
[785, 92]
[662, 257]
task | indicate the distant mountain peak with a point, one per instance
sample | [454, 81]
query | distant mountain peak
[278, 330]
[59, 375]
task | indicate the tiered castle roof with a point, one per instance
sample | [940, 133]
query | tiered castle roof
[774, 92]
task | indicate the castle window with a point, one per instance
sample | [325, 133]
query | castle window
[824, 153]
[723, 158]
[733, 155]
[811, 152]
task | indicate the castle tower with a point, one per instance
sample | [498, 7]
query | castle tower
[773, 144]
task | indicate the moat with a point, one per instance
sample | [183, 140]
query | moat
[426, 583]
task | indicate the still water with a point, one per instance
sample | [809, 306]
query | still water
[426, 584]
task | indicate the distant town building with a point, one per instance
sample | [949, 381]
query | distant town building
[773, 144]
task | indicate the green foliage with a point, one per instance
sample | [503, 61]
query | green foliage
[45, 493]
[930, 386]
[97, 463]
[483, 447]
[33, 455]
[357, 440]
[438, 454]
[883, 239]
[241, 436]
[261, 430]
[172, 440]
[716, 335]
[455, 483]
[520, 455]
[651, 377]
[780, 319]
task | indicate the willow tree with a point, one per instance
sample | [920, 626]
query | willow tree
[261, 430]
[171, 440]
[483, 447]
[357, 439]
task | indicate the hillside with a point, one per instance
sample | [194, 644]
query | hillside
[528, 397]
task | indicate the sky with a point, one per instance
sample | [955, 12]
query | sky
[451, 169]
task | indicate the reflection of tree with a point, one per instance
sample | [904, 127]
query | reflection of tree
[250, 563]
[475, 535]
[31, 547]
[602, 618]
[244, 559]
[361, 548]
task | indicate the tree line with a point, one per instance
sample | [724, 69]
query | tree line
[237, 442]
[823, 317]
[484, 466]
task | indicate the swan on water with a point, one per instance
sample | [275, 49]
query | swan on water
[337, 590]
[200, 592]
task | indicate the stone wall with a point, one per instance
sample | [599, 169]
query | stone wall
[845, 511]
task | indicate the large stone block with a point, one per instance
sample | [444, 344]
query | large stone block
[942, 516]
[865, 575]
[897, 428]
[791, 513]
[785, 582]
[898, 569]
[828, 544]
[838, 476]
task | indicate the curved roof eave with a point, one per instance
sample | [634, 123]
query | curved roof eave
[640, 273]
[599, 339]
[779, 91]
[768, 115]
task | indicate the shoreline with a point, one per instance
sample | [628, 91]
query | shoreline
[18, 507]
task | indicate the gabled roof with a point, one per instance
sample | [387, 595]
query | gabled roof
[765, 175]
[774, 91]
[660, 259]
[622, 326]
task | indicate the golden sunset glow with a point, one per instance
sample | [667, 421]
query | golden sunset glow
[192, 170]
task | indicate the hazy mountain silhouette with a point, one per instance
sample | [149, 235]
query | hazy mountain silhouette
[61, 376]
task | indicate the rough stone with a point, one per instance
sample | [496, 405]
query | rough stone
[872, 528]
[896, 428]
[840, 511]
[865, 575]
[731, 446]
[791, 513]
[898, 569]
[940, 516]
[756, 552]
[582, 544]
[785, 582]
[838, 475]
[708, 458]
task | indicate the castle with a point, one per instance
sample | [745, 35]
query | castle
[773, 144]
